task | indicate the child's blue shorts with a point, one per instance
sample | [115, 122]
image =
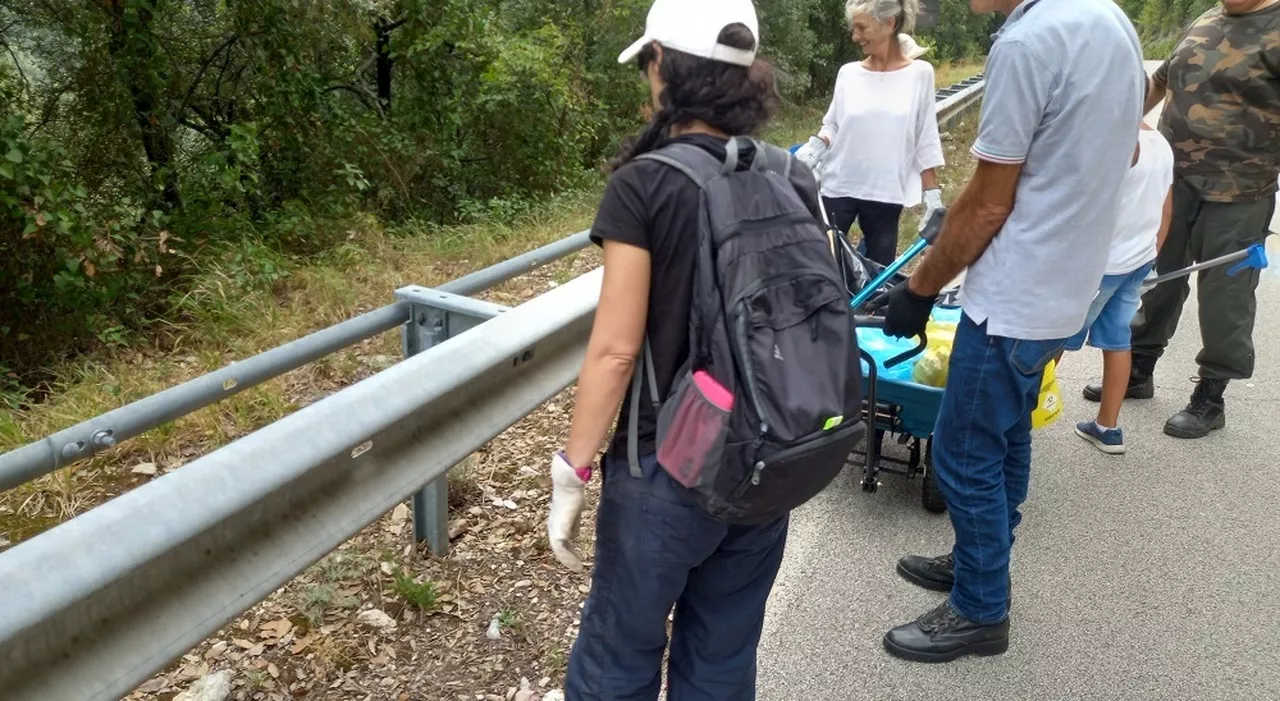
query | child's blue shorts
[1112, 311]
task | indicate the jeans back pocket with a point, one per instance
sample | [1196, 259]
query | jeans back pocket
[1031, 357]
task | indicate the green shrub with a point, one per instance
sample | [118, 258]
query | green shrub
[149, 145]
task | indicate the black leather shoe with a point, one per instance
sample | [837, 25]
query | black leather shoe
[932, 573]
[1206, 412]
[1142, 384]
[936, 573]
[942, 635]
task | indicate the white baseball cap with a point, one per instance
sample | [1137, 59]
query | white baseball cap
[693, 26]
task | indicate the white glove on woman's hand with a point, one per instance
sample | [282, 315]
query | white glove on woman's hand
[812, 153]
[568, 499]
[932, 203]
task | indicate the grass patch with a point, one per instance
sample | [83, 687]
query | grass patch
[320, 599]
[947, 73]
[557, 660]
[425, 595]
[346, 565]
[509, 619]
[257, 678]
[334, 654]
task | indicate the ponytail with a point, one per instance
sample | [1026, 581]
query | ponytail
[654, 135]
[737, 100]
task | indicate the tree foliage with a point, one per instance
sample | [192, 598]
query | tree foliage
[140, 139]
[1161, 22]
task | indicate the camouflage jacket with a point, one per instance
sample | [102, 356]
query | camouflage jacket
[1222, 116]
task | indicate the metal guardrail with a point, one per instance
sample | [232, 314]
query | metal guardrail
[83, 440]
[96, 605]
[956, 101]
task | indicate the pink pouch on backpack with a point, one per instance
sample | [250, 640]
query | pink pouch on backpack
[692, 427]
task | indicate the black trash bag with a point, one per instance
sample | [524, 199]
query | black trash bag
[858, 270]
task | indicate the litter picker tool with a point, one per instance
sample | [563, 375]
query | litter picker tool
[1252, 258]
[931, 229]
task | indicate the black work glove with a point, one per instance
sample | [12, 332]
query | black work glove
[906, 313]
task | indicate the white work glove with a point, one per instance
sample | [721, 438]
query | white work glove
[568, 499]
[932, 203]
[812, 153]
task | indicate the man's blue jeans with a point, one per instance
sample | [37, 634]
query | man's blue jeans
[655, 549]
[982, 458]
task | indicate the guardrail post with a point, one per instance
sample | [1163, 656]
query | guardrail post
[434, 318]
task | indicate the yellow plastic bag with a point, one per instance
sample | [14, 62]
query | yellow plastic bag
[931, 368]
[941, 332]
[1049, 408]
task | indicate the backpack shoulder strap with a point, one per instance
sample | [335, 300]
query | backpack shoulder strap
[644, 366]
[767, 156]
[700, 166]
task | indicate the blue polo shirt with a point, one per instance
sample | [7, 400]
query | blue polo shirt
[1063, 98]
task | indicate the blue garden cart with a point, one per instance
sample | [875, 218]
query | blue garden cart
[895, 405]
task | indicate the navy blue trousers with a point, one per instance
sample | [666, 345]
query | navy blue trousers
[656, 550]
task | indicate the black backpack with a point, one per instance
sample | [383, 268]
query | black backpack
[771, 327]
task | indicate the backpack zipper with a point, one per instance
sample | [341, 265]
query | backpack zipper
[765, 282]
[815, 444]
[769, 223]
[744, 355]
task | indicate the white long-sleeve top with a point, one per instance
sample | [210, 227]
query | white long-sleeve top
[883, 129]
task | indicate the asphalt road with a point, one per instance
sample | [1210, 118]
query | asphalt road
[1153, 575]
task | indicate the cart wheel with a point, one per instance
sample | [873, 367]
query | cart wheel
[930, 495]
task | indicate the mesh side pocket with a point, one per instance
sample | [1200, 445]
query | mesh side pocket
[692, 427]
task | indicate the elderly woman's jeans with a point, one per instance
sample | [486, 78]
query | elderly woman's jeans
[878, 221]
[655, 550]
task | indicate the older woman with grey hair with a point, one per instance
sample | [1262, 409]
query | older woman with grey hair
[878, 147]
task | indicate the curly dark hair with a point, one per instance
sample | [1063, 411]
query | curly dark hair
[737, 100]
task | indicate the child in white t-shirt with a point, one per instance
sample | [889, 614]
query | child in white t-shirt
[1145, 207]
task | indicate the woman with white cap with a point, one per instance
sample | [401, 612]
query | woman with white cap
[655, 550]
[879, 145]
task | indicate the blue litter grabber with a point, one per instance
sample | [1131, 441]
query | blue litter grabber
[1252, 258]
[927, 237]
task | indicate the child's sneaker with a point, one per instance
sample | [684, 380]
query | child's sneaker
[1109, 441]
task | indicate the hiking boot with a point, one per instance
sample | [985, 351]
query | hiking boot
[932, 573]
[936, 573]
[942, 635]
[1142, 383]
[1206, 412]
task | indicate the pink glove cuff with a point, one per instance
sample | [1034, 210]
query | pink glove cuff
[584, 473]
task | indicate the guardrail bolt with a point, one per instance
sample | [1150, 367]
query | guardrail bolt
[72, 450]
[104, 439]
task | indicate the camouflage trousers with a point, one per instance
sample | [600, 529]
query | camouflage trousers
[1199, 231]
